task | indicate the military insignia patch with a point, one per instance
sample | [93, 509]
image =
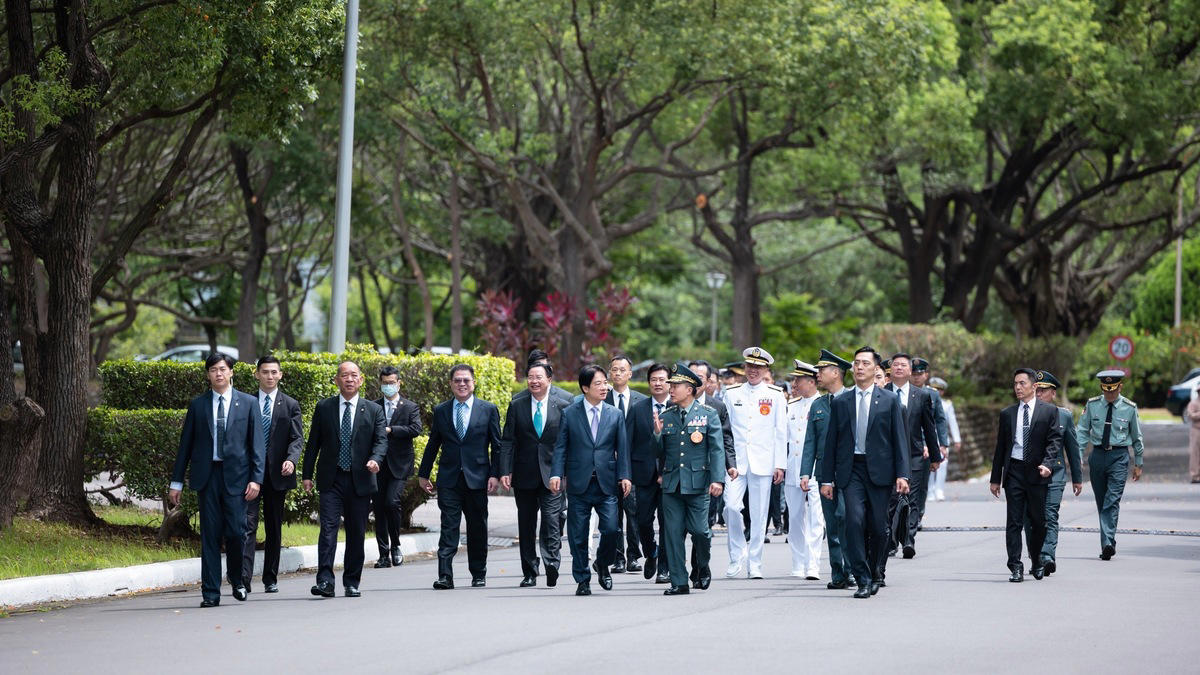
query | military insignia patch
[697, 436]
[764, 406]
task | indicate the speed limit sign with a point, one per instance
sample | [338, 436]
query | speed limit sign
[1120, 347]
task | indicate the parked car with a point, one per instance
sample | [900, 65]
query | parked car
[192, 353]
[1179, 395]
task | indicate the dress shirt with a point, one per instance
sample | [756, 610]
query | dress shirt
[533, 407]
[342, 401]
[858, 398]
[262, 396]
[623, 407]
[1018, 448]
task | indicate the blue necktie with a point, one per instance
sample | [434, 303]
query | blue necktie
[344, 453]
[538, 422]
[220, 428]
[266, 421]
[460, 424]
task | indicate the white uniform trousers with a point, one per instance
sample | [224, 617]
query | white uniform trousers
[806, 529]
[760, 499]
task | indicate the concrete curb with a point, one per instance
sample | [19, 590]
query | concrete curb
[116, 581]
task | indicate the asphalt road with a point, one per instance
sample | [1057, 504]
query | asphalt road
[951, 609]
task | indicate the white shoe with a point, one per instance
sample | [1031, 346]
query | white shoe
[941, 496]
[755, 573]
[735, 570]
[813, 575]
[798, 573]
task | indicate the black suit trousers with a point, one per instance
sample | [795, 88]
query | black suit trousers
[386, 504]
[1024, 499]
[866, 521]
[649, 504]
[222, 516]
[534, 504]
[627, 523]
[455, 503]
[271, 502]
[341, 502]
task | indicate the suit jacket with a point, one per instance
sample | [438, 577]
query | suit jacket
[1045, 443]
[700, 463]
[244, 456]
[368, 441]
[726, 430]
[1072, 453]
[405, 423]
[468, 459]
[286, 440]
[920, 421]
[887, 443]
[524, 454]
[577, 456]
[643, 449]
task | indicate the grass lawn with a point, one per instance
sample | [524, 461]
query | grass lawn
[1157, 415]
[31, 547]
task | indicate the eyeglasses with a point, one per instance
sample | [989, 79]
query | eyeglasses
[462, 380]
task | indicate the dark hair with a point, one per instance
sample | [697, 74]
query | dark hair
[655, 367]
[868, 350]
[387, 371]
[902, 355]
[588, 373]
[217, 357]
[621, 357]
[708, 369]
[267, 359]
[540, 364]
[462, 366]
[537, 356]
[1028, 371]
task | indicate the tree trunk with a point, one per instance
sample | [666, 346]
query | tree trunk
[286, 336]
[366, 307]
[256, 217]
[21, 426]
[747, 318]
[575, 288]
[456, 310]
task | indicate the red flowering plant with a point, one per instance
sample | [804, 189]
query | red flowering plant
[504, 333]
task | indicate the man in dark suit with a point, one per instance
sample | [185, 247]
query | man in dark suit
[283, 437]
[346, 447]
[920, 421]
[222, 441]
[620, 369]
[592, 456]
[463, 429]
[866, 454]
[1028, 448]
[402, 420]
[526, 452]
[645, 473]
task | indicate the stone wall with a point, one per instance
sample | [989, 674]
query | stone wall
[977, 424]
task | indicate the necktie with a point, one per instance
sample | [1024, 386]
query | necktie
[220, 428]
[1025, 432]
[621, 403]
[344, 452]
[388, 413]
[266, 421]
[595, 423]
[658, 409]
[864, 410]
[1107, 428]
[460, 423]
[538, 422]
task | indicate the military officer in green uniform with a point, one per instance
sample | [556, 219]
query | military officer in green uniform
[831, 371]
[1047, 392]
[1110, 423]
[693, 431]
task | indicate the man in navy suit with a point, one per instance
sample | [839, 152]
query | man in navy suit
[592, 455]
[346, 445]
[462, 430]
[222, 440]
[866, 454]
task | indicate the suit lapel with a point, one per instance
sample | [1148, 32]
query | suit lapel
[871, 416]
[208, 413]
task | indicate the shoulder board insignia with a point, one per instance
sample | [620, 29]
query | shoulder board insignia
[1131, 403]
[793, 400]
[707, 407]
[775, 387]
[734, 386]
[1095, 398]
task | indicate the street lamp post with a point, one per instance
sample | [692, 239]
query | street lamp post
[715, 281]
[341, 228]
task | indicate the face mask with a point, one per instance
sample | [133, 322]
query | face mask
[389, 390]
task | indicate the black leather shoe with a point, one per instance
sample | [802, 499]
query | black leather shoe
[650, 568]
[1108, 552]
[210, 603]
[397, 557]
[882, 583]
[633, 567]
[1017, 575]
[909, 552]
[1050, 566]
[240, 593]
[677, 590]
[443, 584]
[703, 579]
[603, 574]
[837, 585]
[352, 592]
[383, 561]
[551, 576]
[584, 588]
[1038, 573]
[271, 588]
[528, 581]
[863, 592]
[778, 532]
[874, 587]
[323, 589]
[619, 567]
[664, 577]
[478, 582]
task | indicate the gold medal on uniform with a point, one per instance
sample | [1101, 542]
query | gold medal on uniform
[697, 436]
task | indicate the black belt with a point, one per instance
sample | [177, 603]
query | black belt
[860, 458]
[1122, 448]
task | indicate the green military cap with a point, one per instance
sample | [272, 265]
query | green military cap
[1110, 379]
[937, 383]
[735, 367]
[681, 374]
[919, 365]
[828, 358]
[803, 369]
[886, 364]
[1045, 380]
[757, 356]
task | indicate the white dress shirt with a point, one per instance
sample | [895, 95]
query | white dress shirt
[342, 401]
[903, 392]
[1018, 448]
[470, 402]
[262, 397]
[533, 407]
[617, 400]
